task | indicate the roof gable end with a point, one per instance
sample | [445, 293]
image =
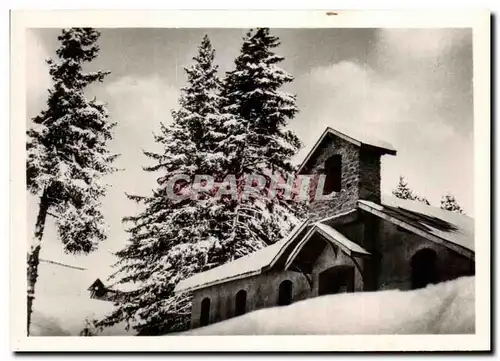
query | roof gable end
[359, 141]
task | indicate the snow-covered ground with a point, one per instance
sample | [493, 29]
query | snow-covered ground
[446, 308]
[65, 316]
[62, 303]
[62, 306]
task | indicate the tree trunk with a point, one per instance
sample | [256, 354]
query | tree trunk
[34, 252]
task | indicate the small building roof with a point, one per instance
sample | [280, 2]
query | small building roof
[263, 259]
[332, 236]
[354, 137]
[454, 230]
[342, 241]
[96, 283]
[457, 230]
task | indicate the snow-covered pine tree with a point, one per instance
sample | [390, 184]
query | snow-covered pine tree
[172, 239]
[402, 190]
[258, 142]
[449, 203]
[67, 153]
[423, 200]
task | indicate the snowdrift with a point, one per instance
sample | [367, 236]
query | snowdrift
[66, 315]
[62, 303]
[445, 308]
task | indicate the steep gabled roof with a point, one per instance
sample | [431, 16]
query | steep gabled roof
[245, 266]
[356, 139]
[97, 283]
[264, 259]
[456, 231]
[330, 235]
[453, 230]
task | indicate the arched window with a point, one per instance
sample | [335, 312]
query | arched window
[333, 180]
[240, 306]
[423, 268]
[285, 293]
[205, 312]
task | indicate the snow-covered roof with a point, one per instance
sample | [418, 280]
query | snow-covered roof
[456, 229]
[264, 259]
[356, 137]
[245, 266]
[430, 222]
[331, 235]
[341, 240]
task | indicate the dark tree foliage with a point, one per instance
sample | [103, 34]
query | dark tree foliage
[67, 153]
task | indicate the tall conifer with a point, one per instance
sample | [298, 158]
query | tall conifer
[175, 235]
[67, 153]
[258, 143]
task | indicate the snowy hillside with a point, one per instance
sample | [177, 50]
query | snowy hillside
[65, 316]
[60, 278]
[62, 302]
[446, 308]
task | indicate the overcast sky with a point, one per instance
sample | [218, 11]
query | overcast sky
[411, 88]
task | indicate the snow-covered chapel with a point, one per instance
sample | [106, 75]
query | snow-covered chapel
[355, 241]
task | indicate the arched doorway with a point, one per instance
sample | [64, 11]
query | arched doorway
[205, 312]
[338, 279]
[285, 293]
[423, 268]
[240, 303]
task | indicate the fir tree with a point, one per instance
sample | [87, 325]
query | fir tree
[402, 190]
[172, 239]
[67, 153]
[89, 329]
[449, 203]
[423, 200]
[257, 141]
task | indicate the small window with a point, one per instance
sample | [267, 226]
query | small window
[333, 168]
[240, 303]
[285, 293]
[205, 312]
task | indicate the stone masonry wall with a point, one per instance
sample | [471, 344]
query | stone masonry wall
[347, 198]
[369, 175]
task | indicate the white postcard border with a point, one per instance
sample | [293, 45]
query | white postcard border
[479, 21]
